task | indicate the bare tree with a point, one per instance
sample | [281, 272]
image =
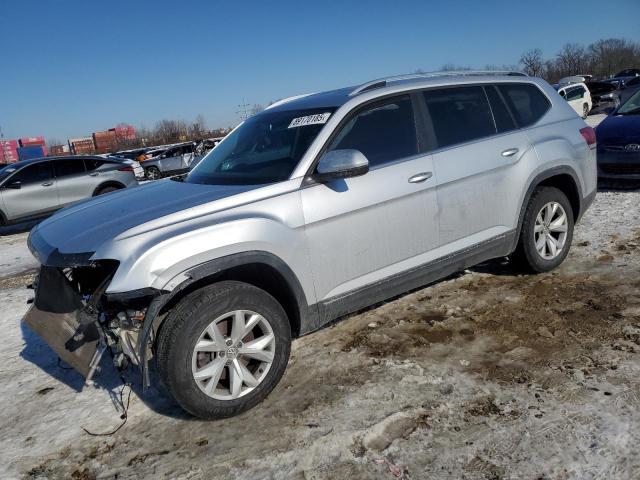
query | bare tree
[612, 55]
[532, 62]
[198, 128]
[257, 108]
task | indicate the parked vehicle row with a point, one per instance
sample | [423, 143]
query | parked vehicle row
[314, 208]
[33, 189]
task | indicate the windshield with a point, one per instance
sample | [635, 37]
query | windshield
[264, 149]
[6, 171]
[630, 106]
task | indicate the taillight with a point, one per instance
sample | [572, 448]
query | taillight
[126, 169]
[589, 135]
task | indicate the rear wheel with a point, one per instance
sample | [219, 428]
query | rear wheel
[223, 348]
[153, 173]
[547, 230]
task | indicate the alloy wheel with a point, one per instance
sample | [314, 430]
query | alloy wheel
[233, 354]
[550, 230]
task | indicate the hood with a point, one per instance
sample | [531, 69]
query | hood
[619, 130]
[79, 230]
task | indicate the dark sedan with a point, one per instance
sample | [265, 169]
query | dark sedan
[604, 95]
[618, 139]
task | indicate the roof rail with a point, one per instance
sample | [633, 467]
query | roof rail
[382, 82]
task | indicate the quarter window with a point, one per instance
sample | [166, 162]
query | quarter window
[459, 114]
[37, 173]
[383, 132]
[527, 103]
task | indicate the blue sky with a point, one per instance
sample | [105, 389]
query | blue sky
[73, 67]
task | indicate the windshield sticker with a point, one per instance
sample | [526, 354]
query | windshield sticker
[310, 120]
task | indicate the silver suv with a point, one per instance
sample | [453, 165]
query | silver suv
[33, 189]
[319, 206]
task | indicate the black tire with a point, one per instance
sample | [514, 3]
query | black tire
[182, 328]
[153, 173]
[108, 189]
[526, 254]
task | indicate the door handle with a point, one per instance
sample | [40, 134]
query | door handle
[509, 152]
[47, 184]
[420, 177]
[94, 174]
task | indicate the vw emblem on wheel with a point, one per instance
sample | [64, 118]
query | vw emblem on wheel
[632, 147]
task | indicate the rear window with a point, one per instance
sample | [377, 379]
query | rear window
[527, 103]
[91, 164]
[459, 114]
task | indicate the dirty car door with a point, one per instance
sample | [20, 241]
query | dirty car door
[364, 229]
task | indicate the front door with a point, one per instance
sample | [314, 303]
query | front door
[30, 192]
[365, 229]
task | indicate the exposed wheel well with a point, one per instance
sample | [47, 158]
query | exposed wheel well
[3, 219]
[114, 184]
[259, 275]
[565, 183]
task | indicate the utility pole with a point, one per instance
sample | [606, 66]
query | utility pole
[243, 110]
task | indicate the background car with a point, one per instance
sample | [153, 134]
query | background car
[618, 138]
[578, 97]
[630, 87]
[604, 96]
[33, 189]
[173, 161]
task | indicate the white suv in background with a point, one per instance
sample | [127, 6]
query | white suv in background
[578, 97]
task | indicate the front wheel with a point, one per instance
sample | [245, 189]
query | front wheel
[547, 230]
[223, 348]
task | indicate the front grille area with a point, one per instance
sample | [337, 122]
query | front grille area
[621, 169]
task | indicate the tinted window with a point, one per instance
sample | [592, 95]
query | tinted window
[38, 173]
[633, 81]
[501, 115]
[383, 132]
[459, 114]
[92, 164]
[66, 168]
[575, 93]
[527, 103]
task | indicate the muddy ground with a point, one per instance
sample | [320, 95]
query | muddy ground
[489, 374]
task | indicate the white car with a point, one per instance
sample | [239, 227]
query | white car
[578, 97]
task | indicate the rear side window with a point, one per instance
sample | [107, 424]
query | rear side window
[502, 117]
[37, 173]
[67, 168]
[383, 132]
[527, 103]
[459, 114]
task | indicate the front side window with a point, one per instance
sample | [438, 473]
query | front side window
[383, 132]
[527, 103]
[264, 149]
[68, 168]
[32, 174]
[631, 106]
[459, 114]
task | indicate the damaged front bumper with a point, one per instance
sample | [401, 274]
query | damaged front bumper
[74, 316]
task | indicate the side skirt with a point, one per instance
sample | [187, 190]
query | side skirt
[404, 282]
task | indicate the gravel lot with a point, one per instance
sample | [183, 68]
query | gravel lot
[489, 374]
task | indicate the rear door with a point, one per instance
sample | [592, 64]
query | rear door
[365, 229]
[478, 150]
[72, 181]
[37, 193]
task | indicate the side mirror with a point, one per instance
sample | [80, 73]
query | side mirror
[341, 164]
[16, 185]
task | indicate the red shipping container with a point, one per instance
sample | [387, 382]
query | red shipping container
[31, 141]
[9, 151]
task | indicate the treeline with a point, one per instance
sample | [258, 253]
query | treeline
[174, 131]
[600, 59]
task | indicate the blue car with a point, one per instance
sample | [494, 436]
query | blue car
[618, 138]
